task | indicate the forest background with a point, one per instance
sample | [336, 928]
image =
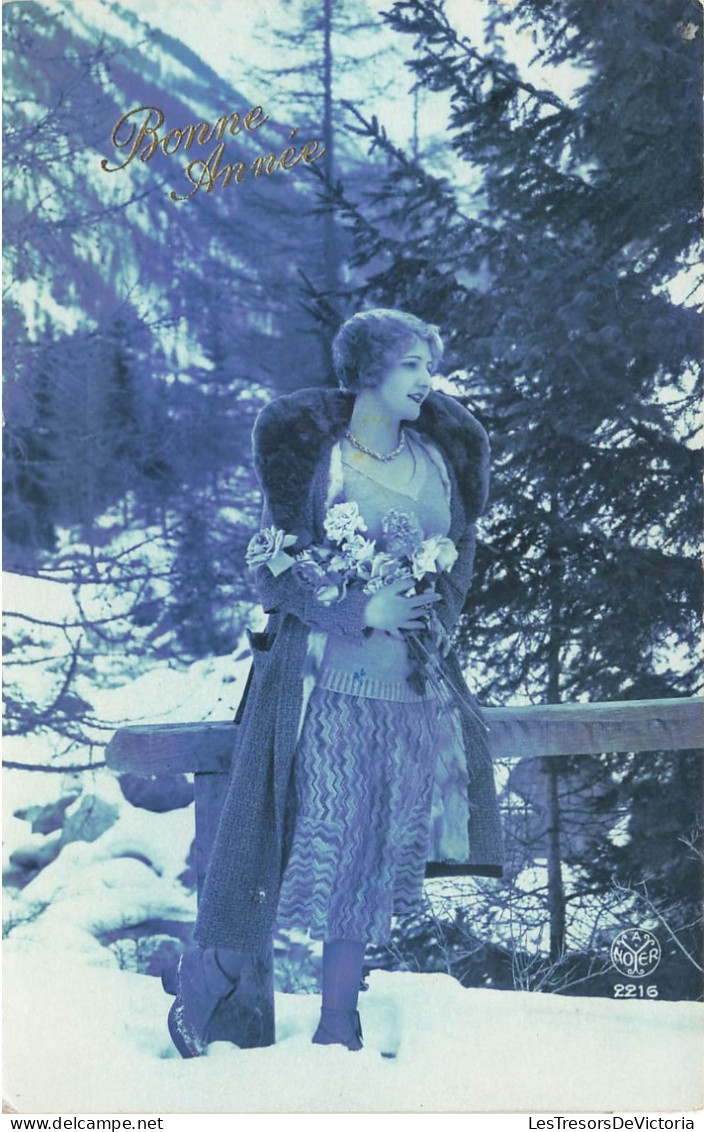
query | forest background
[523, 174]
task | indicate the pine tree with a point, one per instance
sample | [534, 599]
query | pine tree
[140, 342]
[557, 277]
[319, 46]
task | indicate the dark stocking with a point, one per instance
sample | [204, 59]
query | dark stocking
[342, 973]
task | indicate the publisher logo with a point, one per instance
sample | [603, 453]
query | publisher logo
[635, 952]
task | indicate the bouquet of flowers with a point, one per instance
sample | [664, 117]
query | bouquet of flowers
[348, 559]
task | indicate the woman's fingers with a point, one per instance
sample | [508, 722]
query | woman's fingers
[392, 608]
[398, 632]
[426, 599]
[399, 586]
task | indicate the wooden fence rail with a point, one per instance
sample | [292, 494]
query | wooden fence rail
[205, 749]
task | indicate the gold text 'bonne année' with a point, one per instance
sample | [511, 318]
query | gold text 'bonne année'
[139, 133]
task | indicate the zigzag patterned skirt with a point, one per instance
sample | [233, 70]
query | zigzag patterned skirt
[364, 776]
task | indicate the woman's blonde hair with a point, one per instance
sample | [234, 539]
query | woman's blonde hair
[371, 341]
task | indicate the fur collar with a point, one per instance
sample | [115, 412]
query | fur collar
[294, 433]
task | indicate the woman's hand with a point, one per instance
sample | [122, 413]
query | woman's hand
[392, 609]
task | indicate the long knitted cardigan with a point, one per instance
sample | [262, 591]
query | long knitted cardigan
[293, 439]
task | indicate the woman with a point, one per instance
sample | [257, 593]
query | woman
[355, 679]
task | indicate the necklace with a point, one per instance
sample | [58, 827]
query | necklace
[376, 455]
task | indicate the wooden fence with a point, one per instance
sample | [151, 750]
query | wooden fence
[204, 749]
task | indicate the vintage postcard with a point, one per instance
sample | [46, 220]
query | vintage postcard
[378, 319]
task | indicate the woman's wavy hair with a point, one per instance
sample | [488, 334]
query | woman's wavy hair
[368, 343]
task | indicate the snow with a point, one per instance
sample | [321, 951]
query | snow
[100, 1036]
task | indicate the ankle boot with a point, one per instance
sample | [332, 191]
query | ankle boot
[339, 1027]
[212, 1006]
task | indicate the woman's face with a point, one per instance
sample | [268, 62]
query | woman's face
[407, 382]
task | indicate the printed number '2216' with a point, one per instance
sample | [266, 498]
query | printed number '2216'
[635, 990]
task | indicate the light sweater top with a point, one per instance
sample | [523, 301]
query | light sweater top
[377, 665]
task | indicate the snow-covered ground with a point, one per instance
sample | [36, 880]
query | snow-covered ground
[84, 1038]
[85, 1033]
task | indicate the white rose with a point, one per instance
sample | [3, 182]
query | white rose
[435, 554]
[267, 547]
[358, 549]
[342, 521]
[447, 553]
